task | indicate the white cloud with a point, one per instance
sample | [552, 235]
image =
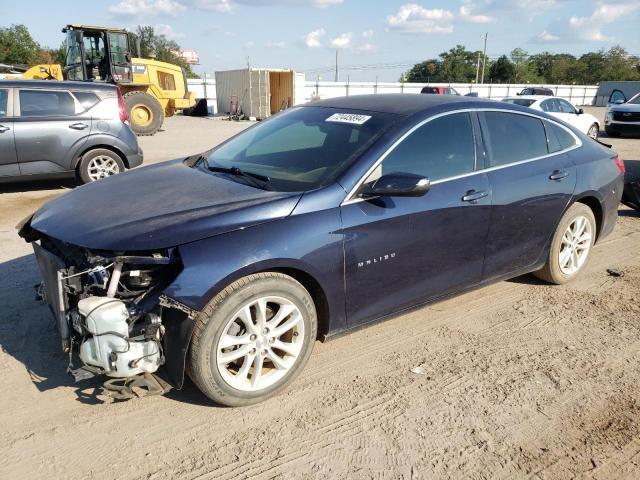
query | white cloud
[313, 39]
[167, 31]
[466, 14]
[367, 34]
[365, 48]
[276, 45]
[147, 7]
[413, 18]
[589, 28]
[342, 41]
[248, 44]
[325, 3]
[222, 6]
[545, 36]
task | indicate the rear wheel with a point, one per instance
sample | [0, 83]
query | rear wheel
[252, 339]
[98, 164]
[145, 112]
[571, 245]
[593, 131]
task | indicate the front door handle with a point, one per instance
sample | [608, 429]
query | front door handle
[473, 196]
[79, 126]
[3, 128]
[558, 175]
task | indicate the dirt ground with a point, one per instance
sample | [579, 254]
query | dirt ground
[518, 379]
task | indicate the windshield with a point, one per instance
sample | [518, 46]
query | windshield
[525, 102]
[302, 148]
[635, 100]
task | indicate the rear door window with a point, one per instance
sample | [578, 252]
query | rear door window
[559, 138]
[551, 105]
[566, 107]
[442, 148]
[86, 99]
[43, 103]
[513, 137]
[4, 97]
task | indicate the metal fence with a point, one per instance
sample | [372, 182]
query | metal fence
[576, 94]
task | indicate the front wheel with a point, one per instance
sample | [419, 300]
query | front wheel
[252, 339]
[571, 245]
[593, 131]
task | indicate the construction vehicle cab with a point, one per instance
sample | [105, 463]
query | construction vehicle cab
[97, 53]
[151, 89]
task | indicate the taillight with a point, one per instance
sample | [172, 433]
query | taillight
[122, 109]
[619, 163]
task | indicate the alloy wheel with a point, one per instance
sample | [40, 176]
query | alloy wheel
[593, 132]
[102, 166]
[260, 343]
[575, 245]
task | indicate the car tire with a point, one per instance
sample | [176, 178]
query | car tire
[99, 163]
[571, 245]
[593, 131]
[611, 132]
[145, 113]
[232, 341]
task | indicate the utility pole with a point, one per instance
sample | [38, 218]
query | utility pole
[250, 97]
[336, 78]
[478, 68]
[484, 55]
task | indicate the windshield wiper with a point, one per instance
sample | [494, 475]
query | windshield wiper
[258, 180]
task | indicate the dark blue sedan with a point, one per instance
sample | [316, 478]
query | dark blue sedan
[230, 264]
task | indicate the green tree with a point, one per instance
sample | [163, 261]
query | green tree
[424, 72]
[458, 65]
[17, 46]
[619, 65]
[502, 70]
[160, 48]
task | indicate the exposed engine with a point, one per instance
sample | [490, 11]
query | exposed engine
[106, 326]
[108, 306]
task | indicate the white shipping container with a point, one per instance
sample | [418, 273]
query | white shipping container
[259, 92]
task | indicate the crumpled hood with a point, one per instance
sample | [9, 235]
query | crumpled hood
[159, 206]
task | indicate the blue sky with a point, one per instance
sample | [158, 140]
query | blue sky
[381, 38]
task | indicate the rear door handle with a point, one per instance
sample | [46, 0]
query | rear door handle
[3, 128]
[558, 175]
[78, 126]
[473, 196]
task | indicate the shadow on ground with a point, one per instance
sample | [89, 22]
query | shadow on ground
[33, 186]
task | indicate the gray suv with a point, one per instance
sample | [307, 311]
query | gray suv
[50, 128]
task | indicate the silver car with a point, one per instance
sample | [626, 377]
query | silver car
[622, 116]
[58, 129]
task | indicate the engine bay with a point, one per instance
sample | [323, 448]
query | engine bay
[109, 309]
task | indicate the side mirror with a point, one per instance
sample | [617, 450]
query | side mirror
[396, 185]
[580, 111]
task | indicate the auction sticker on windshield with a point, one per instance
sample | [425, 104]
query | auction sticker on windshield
[352, 118]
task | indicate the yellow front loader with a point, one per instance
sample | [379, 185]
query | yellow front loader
[152, 90]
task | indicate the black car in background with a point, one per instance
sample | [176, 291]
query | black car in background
[536, 91]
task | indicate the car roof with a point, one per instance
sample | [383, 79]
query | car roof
[56, 85]
[529, 97]
[398, 103]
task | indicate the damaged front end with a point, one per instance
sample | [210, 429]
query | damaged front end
[112, 315]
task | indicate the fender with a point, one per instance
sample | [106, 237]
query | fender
[311, 243]
[110, 142]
